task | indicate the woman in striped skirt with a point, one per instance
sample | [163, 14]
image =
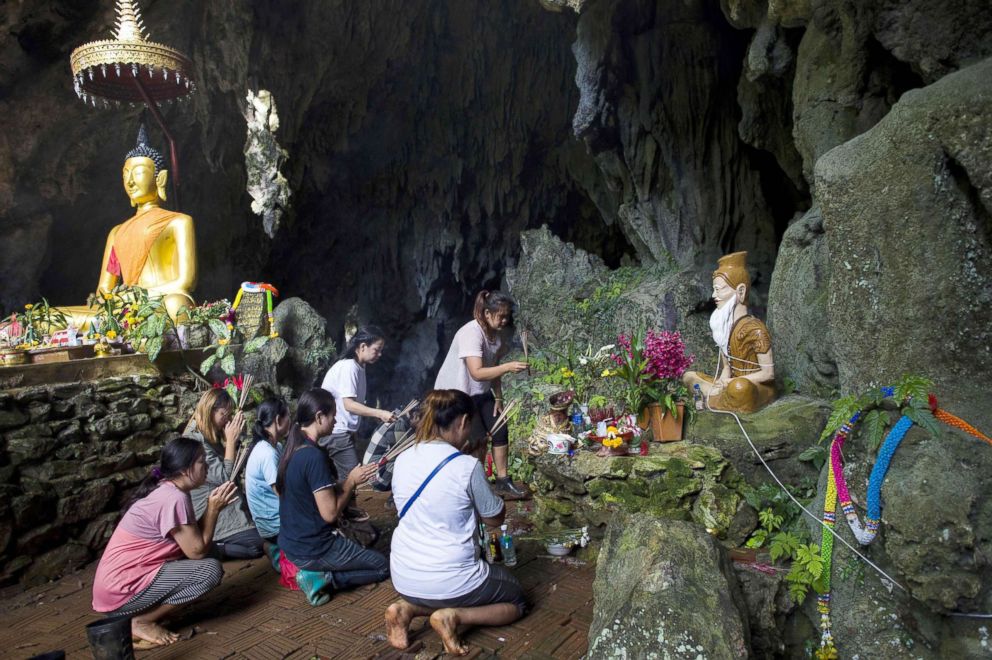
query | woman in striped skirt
[157, 559]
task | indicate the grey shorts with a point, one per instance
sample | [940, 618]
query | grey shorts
[340, 448]
[500, 587]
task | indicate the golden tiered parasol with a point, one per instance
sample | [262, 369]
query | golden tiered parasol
[131, 69]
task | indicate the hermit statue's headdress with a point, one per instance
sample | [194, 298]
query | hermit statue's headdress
[733, 268]
[143, 150]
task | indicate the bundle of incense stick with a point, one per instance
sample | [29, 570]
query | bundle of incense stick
[504, 416]
[406, 410]
[405, 442]
[523, 341]
[245, 390]
[241, 459]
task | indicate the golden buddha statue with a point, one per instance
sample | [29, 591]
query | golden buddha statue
[745, 378]
[155, 249]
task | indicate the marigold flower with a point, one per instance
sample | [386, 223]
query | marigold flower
[111, 334]
[606, 373]
[223, 342]
[29, 307]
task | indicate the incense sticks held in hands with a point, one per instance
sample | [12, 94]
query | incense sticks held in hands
[523, 341]
[245, 390]
[241, 459]
[504, 416]
[405, 442]
[406, 410]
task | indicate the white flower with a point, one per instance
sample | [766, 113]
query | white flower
[583, 361]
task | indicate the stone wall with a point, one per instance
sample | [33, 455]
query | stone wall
[68, 455]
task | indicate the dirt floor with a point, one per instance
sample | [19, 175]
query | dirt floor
[251, 616]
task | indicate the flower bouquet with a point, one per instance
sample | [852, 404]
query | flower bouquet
[650, 365]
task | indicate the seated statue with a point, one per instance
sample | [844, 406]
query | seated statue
[155, 249]
[745, 378]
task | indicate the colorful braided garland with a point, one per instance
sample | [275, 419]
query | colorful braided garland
[955, 421]
[827, 650]
[837, 488]
[866, 534]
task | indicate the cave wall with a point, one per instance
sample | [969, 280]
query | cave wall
[422, 138]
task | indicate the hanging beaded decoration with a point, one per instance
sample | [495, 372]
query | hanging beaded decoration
[837, 489]
[955, 421]
[827, 650]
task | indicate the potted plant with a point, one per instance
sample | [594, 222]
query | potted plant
[650, 365]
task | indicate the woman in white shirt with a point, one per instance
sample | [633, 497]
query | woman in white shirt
[472, 366]
[346, 381]
[441, 493]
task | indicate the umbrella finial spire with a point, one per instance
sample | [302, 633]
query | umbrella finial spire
[130, 27]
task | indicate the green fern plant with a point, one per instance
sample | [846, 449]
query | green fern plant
[908, 395]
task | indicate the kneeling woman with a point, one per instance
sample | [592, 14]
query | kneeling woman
[156, 558]
[218, 428]
[311, 497]
[435, 562]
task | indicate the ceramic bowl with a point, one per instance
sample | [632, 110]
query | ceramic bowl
[558, 549]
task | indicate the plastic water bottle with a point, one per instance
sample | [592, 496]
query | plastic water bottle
[576, 421]
[506, 543]
[697, 396]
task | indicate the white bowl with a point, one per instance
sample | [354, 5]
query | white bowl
[558, 549]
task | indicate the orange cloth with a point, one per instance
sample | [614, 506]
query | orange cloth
[133, 242]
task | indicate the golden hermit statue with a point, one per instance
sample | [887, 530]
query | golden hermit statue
[745, 378]
[155, 249]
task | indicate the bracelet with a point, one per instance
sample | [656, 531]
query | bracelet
[498, 398]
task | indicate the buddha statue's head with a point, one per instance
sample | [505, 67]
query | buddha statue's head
[144, 173]
[731, 279]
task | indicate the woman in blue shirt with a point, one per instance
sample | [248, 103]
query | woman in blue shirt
[270, 429]
[312, 497]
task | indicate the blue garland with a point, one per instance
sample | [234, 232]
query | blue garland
[885, 454]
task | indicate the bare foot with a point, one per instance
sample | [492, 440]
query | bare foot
[152, 632]
[398, 617]
[445, 623]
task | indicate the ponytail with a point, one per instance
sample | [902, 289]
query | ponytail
[441, 409]
[313, 401]
[178, 455]
[268, 412]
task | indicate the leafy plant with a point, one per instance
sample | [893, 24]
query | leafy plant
[203, 314]
[908, 396]
[223, 355]
[38, 320]
[782, 530]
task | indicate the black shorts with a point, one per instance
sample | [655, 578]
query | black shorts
[484, 419]
[500, 587]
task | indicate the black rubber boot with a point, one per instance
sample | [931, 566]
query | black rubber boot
[110, 639]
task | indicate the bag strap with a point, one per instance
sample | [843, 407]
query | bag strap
[430, 476]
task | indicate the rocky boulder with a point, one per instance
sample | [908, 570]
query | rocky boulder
[665, 589]
[308, 349]
[678, 481]
[566, 294]
[797, 310]
[781, 432]
[907, 210]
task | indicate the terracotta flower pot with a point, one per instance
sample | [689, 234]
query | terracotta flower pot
[665, 427]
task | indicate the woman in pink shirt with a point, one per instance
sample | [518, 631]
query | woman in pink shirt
[156, 559]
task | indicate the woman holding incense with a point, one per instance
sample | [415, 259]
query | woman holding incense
[157, 559]
[441, 493]
[346, 381]
[472, 366]
[312, 499]
[218, 427]
[270, 429]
